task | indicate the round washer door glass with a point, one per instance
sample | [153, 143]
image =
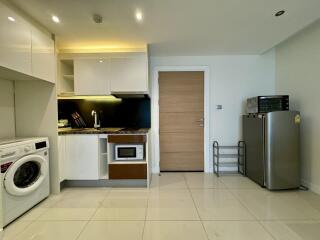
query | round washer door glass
[26, 175]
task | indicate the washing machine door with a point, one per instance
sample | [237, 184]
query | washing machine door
[25, 175]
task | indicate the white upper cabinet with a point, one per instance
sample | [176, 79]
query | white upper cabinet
[43, 57]
[129, 74]
[15, 41]
[24, 48]
[92, 76]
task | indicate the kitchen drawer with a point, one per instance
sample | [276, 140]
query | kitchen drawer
[128, 171]
[127, 138]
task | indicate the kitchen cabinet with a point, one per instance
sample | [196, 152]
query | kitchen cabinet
[103, 74]
[128, 171]
[43, 57]
[92, 76]
[15, 41]
[62, 157]
[25, 49]
[81, 157]
[91, 157]
[129, 74]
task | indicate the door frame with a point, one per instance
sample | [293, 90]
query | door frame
[155, 112]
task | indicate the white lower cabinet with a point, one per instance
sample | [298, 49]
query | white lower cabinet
[79, 161]
[62, 157]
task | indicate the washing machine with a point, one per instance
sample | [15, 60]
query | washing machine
[24, 175]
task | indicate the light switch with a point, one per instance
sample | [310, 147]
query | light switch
[219, 107]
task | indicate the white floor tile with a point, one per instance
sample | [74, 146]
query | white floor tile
[203, 180]
[33, 214]
[236, 230]
[177, 206]
[13, 229]
[125, 203]
[238, 182]
[120, 214]
[82, 198]
[174, 230]
[62, 230]
[302, 230]
[67, 214]
[217, 204]
[266, 205]
[176, 214]
[169, 181]
[119, 230]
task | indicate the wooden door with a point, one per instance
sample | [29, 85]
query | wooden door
[181, 101]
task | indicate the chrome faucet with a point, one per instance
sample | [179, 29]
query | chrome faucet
[96, 119]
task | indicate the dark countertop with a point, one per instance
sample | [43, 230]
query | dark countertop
[65, 131]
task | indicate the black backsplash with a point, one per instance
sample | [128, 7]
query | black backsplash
[131, 112]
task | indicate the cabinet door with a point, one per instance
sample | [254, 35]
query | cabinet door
[15, 41]
[62, 156]
[91, 76]
[43, 57]
[82, 157]
[129, 74]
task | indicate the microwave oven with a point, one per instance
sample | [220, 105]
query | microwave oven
[265, 104]
[129, 152]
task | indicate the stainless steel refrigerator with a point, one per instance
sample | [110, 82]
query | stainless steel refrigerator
[273, 149]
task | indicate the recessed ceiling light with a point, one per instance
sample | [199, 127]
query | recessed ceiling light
[55, 19]
[97, 18]
[11, 19]
[279, 13]
[101, 61]
[139, 16]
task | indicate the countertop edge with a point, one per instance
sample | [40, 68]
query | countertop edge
[86, 132]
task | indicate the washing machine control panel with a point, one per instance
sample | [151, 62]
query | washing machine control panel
[8, 153]
[12, 150]
[17, 151]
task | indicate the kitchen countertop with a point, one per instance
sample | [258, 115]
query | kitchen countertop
[65, 131]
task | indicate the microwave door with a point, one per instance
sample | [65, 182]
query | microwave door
[126, 152]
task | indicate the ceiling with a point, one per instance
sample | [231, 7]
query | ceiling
[174, 27]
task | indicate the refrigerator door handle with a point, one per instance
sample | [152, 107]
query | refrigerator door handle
[264, 149]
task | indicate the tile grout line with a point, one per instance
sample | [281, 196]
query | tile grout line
[242, 204]
[255, 217]
[36, 219]
[20, 232]
[145, 216]
[194, 203]
[90, 219]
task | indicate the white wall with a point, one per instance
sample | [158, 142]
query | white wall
[298, 74]
[232, 80]
[7, 122]
[37, 115]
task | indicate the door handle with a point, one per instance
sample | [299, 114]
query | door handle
[200, 120]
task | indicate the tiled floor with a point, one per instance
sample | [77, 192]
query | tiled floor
[178, 206]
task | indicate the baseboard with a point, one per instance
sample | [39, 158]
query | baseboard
[312, 187]
[103, 183]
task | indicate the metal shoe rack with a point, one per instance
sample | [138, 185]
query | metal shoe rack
[239, 153]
